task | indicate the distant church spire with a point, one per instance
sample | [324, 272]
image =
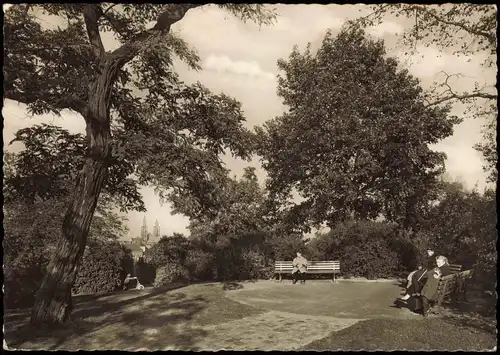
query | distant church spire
[156, 231]
[144, 230]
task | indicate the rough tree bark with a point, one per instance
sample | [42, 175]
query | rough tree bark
[53, 303]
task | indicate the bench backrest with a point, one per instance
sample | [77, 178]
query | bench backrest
[452, 281]
[286, 266]
[454, 268]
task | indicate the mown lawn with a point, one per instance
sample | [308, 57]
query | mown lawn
[446, 334]
[152, 319]
[209, 317]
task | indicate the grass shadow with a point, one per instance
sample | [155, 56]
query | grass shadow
[168, 318]
[475, 311]
[474, 321]
[118, 323]
[231, 286]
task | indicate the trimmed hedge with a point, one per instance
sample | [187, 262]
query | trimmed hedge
[171, 273]
[200, 264]
[365, 248]
[102, 268]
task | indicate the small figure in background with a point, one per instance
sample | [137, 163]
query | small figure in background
[128, 280]
[299, 270]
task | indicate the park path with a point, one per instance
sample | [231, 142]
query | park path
[272, 330]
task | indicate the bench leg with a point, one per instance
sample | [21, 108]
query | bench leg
[281, 278]
[440, 309]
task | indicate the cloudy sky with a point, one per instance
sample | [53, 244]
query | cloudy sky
[240, 60]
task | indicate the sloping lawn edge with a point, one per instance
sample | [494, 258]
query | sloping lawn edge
[443, 334]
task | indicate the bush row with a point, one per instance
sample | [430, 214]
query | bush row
[365, 248]
[180, 259]
[102, 269]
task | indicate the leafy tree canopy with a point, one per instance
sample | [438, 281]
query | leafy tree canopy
[37, 190]
[240, 215]
[165, 133]
[355, 140]
[466, 30]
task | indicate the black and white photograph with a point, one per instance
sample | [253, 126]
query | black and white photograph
[250, 176]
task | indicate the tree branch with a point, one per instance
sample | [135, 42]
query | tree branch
[91, 14]
[463, 97]
[452, 95]
[490, 37]
[109, 8]
[58, 102]
[129, 50]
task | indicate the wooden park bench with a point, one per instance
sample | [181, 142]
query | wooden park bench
[451, 286]
[313, 267]
[454, 268]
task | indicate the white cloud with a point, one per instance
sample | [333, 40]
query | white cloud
[330, 22]
[16, 117]
[426, 62]
[384, 28]
[225, 64]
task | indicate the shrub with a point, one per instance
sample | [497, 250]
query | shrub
[410, 247]
[365, 249]
[169, 250]
[252, 266]
[21, 285]
[101, 269]
[145, 272]
[171, 273]
[201, 265]
[285, 246]
[227, 264]
[31, 232]
[362, 262]
[24, 267]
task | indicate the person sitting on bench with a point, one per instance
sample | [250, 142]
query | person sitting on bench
[429, 291]
[417, 278]
[127, 281]
[299, 270]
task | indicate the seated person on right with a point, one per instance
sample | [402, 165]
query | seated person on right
[429, 291]
[417, 278]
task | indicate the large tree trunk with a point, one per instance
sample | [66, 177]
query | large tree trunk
[53, 301]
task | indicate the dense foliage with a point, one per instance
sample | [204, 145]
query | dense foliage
[103, 268]
[33, 218]
[355, 140]
[365, 249]
[171, 273]
[200, 264]
[463, 226]
[465, 30]
[168, 250]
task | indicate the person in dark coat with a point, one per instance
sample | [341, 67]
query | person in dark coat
[429, 291]
[417, 278]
